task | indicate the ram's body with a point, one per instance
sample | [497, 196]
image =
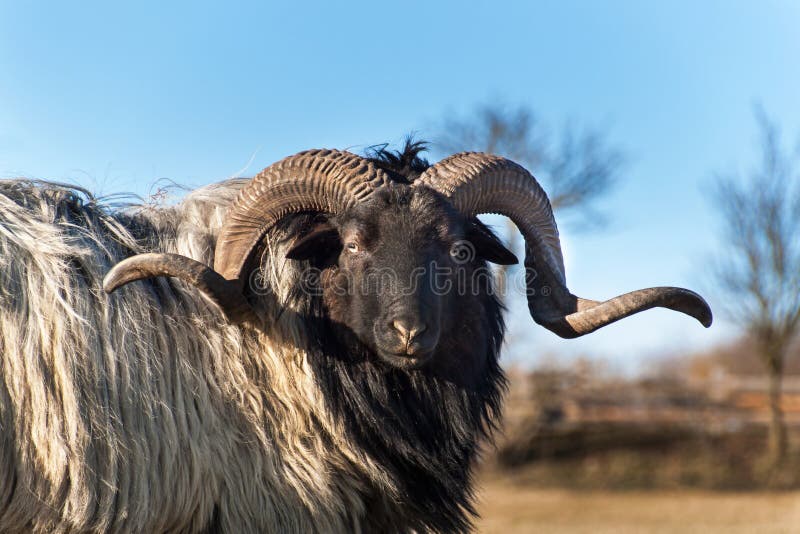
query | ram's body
[338, 402]
[142, 411]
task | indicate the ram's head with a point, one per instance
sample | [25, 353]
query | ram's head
[399, 261]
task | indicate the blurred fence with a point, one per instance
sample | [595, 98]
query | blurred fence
[579, 427]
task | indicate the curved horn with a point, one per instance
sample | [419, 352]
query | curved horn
[478, 183]
[318, 180]
[315, 180]
[225, 294]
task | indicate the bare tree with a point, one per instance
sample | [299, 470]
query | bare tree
[575, 170]
[759, 268]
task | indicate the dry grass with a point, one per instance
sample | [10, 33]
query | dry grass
[509, 508]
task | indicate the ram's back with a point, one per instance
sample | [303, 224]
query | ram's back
[92, 409]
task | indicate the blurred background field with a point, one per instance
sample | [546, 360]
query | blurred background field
[699, 421]
[509, 508]
[683, 449]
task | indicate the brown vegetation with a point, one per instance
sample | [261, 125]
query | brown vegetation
[582, 429]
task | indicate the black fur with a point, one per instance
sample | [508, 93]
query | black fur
[404, 165]
[423, 425]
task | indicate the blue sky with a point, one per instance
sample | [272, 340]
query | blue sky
[117, 97]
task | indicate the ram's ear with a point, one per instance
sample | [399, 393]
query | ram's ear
[319, 242]
[488, 247]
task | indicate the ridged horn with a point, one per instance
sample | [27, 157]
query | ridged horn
[316, 180]
[477, 183]
[225, 294]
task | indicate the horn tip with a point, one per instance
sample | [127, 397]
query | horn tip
[124, 272]
[111, 282]
[695, 306]
[706, 318]
[702, 311]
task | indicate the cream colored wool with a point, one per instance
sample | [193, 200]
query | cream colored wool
[143, 411]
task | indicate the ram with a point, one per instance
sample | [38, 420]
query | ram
[334, 371]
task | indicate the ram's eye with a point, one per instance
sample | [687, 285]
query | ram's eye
[352, 248]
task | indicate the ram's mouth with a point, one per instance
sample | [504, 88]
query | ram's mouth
[405, 361]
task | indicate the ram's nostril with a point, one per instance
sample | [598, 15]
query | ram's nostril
[407, 329]
[400, 327]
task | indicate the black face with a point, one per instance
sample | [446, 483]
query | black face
[401, 266]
